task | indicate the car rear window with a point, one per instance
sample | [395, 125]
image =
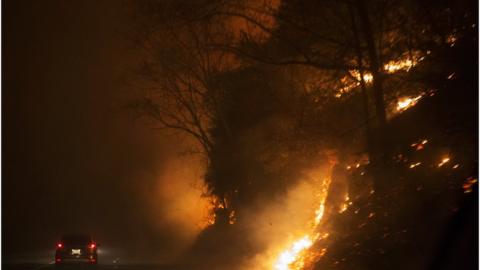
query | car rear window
[76, 239]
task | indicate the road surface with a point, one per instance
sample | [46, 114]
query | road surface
[26, 266]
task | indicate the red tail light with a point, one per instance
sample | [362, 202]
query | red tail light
[92, 245]
[59, 245]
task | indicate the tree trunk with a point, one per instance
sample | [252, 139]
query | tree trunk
[363, 85]
[380, 148]
[375, 66]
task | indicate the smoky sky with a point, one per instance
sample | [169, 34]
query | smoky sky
[71, 152]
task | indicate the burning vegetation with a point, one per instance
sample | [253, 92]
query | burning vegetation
[407, 102]
[267, 114]
[297, 254]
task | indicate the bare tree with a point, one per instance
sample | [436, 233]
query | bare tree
[179, 75]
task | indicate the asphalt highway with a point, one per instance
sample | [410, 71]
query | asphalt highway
[51, 266]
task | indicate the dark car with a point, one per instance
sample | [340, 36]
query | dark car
[76, 248]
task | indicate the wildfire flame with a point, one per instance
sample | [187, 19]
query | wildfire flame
[293, 257]
[394, 66]
[215, 204]
[367, 76]
[407, 102]
[405, 63]
[404, 103]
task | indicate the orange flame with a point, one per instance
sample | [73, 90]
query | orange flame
[444, 160]
[405, 63]
[407, 102]
[294, 257]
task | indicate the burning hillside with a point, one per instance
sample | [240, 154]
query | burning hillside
[268, 91]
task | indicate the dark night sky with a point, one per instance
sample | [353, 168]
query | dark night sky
[70, 152]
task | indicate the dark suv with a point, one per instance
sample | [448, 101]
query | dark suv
[76, 248]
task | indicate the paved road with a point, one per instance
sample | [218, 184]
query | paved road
[87, 267]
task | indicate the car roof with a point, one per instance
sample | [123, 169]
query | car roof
[76, 238]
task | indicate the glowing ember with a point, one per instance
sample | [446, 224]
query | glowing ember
[419, 145]
[324, 236]
[456, 166]
[232, 218]
[407, 102]
[467, 186]
[343, 208]
[345, 204]
[444, 160]
[451, 39]
[415, 165]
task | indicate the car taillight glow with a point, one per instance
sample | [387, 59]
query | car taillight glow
[59, 245]
[92, 245]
